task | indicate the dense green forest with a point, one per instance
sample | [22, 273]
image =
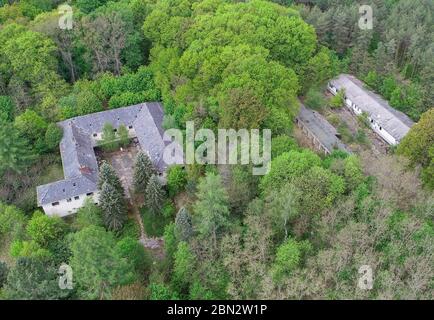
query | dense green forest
[300, 232]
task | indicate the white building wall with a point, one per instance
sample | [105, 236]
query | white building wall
[66, 208]
[374, 125]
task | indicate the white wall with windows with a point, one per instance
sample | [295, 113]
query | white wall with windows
[69, 206]
[374, 125]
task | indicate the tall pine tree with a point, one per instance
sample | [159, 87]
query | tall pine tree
[143, 171]
[211, 207]
[183, 225]
[154, 195]
[108, 174]
[113, 206]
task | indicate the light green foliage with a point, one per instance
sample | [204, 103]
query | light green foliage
[372, 80]
[134, 252]
[184, 261]
[170, 240]
[53, 135]
[109, 141]
[319, 69]
[211, 207]
[337, 100]
[87, 102]
[97, 264]
[288, 166]
[88, 215]
[44, 229]
[12, 222]
[29, 249]
[289, 256]
[282, 144]
[176, 179]
[315, 99]
[319, 188]
[387, 87]
[124, 139]
[418, 146]
[32, 126]
[353, 172]
[283, 206]
[28, 63]
[159, 291]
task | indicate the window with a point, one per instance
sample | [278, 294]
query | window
[89, 194]
[55, 203]
[76, 197]
[68, 200]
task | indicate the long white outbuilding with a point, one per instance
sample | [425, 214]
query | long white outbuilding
[390, 124]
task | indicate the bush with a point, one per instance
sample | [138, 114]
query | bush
[337, 101]
[154, 224]
[282, 144]
[176, 179]
[334, 119]
[43, 229]
[53, 135]
[315, 99]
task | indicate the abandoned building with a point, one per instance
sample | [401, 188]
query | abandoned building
[390, 124]
[321, 133]
[80, 167]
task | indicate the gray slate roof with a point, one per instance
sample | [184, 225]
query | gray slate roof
[321, 128]
[393, 121]
[80, 166]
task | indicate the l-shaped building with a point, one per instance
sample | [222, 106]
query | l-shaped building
[390, 124]
[80, 167]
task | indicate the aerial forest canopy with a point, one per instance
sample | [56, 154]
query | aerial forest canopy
[300, 232]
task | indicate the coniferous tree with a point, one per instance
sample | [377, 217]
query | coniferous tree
[143, 170]
[154, 195]
[113, 206]
[212, 207]
[108, 174]
[183, 225]
[15, 153]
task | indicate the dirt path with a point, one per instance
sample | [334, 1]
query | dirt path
[154, 244]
